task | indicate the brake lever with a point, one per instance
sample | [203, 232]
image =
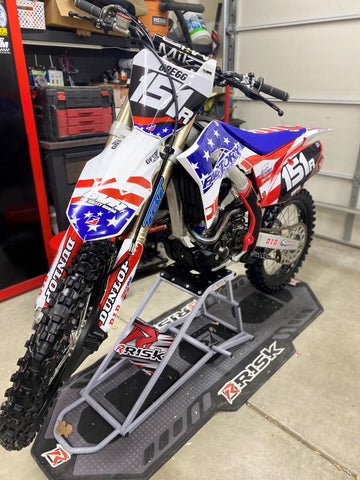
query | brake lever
[82, 16]
[257, 96]
[254, 95]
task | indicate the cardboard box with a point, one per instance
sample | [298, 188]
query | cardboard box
[31, 14]
[57, 15]
[120, 94]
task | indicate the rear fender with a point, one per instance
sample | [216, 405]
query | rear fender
[283, 173]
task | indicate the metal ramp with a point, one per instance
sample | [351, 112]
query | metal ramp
[128, 420]
[201, 288]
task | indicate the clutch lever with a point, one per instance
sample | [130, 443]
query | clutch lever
[108, 23]
[97, 22]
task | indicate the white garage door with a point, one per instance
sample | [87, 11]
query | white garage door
[312, 50]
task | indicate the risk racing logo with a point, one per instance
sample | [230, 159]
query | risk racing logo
[145, 346]
[233, 388]
[57, 456]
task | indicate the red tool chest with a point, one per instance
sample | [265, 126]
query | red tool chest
[66, 113]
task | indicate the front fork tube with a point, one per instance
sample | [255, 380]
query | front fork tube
[132, 247]
[130, 253]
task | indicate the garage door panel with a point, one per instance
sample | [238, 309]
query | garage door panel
[330, 190]
[262, 11]
[310, 61]
[341, 145]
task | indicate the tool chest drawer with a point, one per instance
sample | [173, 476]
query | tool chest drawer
[72, 112]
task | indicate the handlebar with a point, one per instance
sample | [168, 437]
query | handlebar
[109, 18]
[270, 90]
[88, 8]
[170, 5]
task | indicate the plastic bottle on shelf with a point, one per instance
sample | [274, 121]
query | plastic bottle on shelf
[197, 28]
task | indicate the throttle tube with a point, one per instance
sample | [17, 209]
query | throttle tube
[275, 92]
[88, 8]
[270, 90]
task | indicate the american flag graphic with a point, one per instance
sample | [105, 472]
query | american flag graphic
[213, 138]
[100, 209]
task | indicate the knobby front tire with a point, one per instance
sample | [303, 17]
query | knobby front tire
[51, 356]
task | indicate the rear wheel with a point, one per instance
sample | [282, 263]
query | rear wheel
[66, 334]
[294, 220]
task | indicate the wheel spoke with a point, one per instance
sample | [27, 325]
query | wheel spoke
[293, 220]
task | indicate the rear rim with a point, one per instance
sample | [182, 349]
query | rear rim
[291, 215]
[294, 220]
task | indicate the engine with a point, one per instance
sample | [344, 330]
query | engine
[216, 246]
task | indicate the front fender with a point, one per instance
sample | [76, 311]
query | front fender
[114, 185]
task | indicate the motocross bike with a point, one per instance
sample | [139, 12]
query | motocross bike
[226, 195]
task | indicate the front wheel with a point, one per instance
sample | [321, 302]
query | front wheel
[66, 333]
[295, 220]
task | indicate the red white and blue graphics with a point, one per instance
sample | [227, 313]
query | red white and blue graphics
[277, 158]
[145, 346]
[151, 95]
[113, 186]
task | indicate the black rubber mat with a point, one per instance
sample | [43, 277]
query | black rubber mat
[274, 321]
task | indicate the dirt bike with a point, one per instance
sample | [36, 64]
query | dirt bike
[218, 193]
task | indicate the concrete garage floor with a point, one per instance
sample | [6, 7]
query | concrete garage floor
[303, 424]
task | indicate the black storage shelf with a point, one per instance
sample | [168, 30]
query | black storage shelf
[71, 39]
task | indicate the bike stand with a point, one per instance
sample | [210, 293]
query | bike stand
[201, 287]
[125, 423]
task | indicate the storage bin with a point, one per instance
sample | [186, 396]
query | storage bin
[31, 14]
[72, 112]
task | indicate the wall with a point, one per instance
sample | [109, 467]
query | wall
[318, 63]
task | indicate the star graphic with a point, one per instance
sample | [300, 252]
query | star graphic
[203, 177]
[88, 214]
[92, 227]
[113, 221]
[75, 210]
[206, 155]
[226, 141]
[216, 133]
[210, 142]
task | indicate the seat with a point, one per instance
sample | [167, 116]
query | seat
[263, 143]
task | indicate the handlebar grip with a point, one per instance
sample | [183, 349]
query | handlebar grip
[274, 92]
[88, 7]
[178, 6]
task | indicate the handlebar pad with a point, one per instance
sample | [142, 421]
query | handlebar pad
[176, 6]
[275, 92]
[88, 8]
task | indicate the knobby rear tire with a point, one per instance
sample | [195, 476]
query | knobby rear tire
[270, 276]
[37, 380]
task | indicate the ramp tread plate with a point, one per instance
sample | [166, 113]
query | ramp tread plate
[223, 384]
